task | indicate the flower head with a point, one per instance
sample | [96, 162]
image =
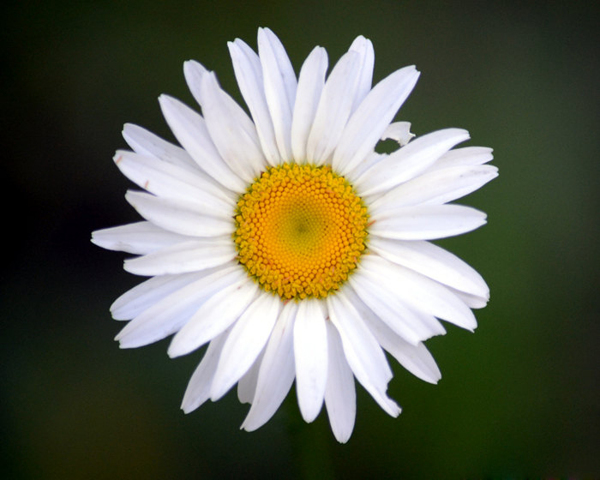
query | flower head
[287, 244]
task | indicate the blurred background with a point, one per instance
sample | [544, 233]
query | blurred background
[519, 398]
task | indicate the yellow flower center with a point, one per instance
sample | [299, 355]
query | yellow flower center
[300, 230]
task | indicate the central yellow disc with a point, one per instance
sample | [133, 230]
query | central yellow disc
[300, 230]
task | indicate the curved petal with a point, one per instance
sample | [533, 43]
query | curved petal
[190, 130]
[139, 238]
[245, 342]
[169, 181]
[399, 132]
[340, 394]
[432, 261]
[373, 116]
[420, 292]
[408, 161]
[168, 315]
[310, 354]
[362, 351]
[277, 371]
[215, 315]
[147, 143]
[180, 216]
[426, 222]
[436, 187]
[310, 85]
[198, 389]
[248, 73]
[189, 256]
[462, 157]
[150, 292]
[335, 107]
[246, 387]
[280, 88]
[364, 47]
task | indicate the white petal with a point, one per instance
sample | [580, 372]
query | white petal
[398, 131]
[189, 256]
[310, 354]
[146, 143]
[194, 72]
[247, 384]
[420, 292]
[466, 156]
[138, 238]
[180, 216]
[248, 72]
[415, 358]
[381, 296]
[437, 187]
[426, 222]
[170, 181]
[279, 86]
[215, 315]
[364, 48]
[335, 107]
[198, 389]
[148, 293]
[408, 161]
[340, 394]
[231, 130]
[276, 373]
[168, 315]
[362, 351]
[310, 86]
[246, 340]
[190, 130]
[372, 117]
[432, 261]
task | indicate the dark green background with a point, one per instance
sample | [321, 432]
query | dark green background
[519, 398]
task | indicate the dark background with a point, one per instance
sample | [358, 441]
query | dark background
[519, 398]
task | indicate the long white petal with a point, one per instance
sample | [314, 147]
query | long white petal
[170, 181]
[138, 238]
[180, 216]
[372, 117]
[215, 315]
[382, 298]
[462, 157]
[190, 130]
[426, 222]
[147, 143]
[280, 88]
[246, 340]
[362, 351]
[432, 261]
[231, 130]
[168, 315]
[189, 256]
[198, 389]
[335, 107]
[408, 161]
[248, 73]
[340, 394]
[310, 354]
[420, 292]
[310, 85]
[436, 188]
[277, 371]
[415, 358]
[364, 47]
[150, 292]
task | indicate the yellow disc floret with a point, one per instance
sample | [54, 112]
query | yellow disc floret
[300, 230]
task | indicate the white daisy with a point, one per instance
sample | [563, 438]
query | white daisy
[287, 244]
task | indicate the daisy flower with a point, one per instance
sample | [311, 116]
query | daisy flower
[287, 244]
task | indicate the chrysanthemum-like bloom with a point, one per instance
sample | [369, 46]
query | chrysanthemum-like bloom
[287, 244]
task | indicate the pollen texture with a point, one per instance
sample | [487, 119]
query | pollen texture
[300, 230]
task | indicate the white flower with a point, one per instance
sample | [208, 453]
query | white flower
[287, 244]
